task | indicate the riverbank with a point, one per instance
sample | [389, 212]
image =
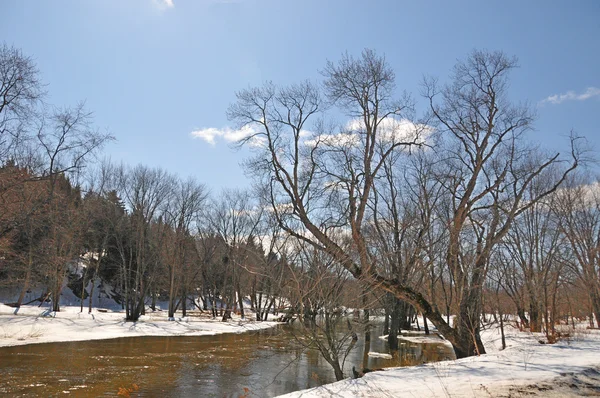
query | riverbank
[525, 368]
[31, 325]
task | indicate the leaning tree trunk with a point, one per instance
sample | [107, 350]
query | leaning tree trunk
[467, 341]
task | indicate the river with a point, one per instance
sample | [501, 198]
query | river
[258, 364]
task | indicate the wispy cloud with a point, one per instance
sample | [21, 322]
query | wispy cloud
[163, 4]
[211, 135]
[590, 92]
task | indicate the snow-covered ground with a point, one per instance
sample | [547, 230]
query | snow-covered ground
[32, 324]
[524, 368]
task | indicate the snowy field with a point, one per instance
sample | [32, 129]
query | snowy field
[32, 324]
[524, 368]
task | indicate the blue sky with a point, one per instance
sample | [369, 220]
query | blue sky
[153, 71]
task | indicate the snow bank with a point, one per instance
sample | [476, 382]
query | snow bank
[525, 367]
[31, 324]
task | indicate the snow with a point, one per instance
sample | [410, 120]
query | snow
[379, 355]
[418, 337]
[525, 367]
[31, 324]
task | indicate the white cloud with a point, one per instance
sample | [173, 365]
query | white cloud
[211, 135]
[163, 4]
[590, 92]
[390, 131]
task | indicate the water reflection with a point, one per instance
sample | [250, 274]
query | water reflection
[266, 363]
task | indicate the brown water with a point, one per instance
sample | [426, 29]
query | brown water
[261, 364]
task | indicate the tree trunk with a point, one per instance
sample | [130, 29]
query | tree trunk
[595, 299]
[172, 293]
[535, 321]
[25, 283]
[502, 330]
[153, 301]
[27, 274]
[337, 370]
[367, 349]
[467, 338]
[82, 294]
[386, 323]
[91, 296]
[269, 308]
[183, 303]
[522, 317]
[394, 326]
[56, 294]
[404, 315]
[240, 300]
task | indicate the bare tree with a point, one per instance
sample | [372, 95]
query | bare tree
[103, 214]
[578, 207]
[67, 143]
[487, 172]
[180, 216]
[235, 220]
[268, 274]
[322, 186]
[319, 294]
[21, 93]
[534, 246]
[145, 192]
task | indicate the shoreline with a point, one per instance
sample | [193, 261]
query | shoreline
[526, 367]
[569, 368]
[33, 325]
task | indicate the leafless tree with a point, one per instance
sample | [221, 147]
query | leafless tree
[103, 216]
[319, 294]
[578, 207]
[235, 220]
[267, 267]
[322, 186]
[533, 246]
[21, 93]
[145, 192]
[180, 215]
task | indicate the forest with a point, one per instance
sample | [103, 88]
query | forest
[456, 213]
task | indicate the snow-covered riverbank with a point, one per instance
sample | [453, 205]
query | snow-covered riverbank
[524, 368]
[38, 325]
